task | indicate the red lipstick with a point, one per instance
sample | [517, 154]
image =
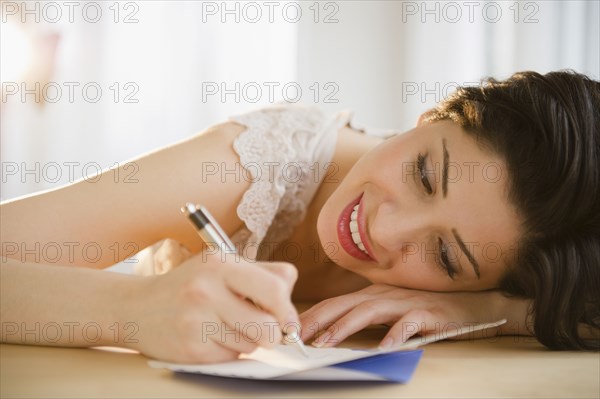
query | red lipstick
[345, 236]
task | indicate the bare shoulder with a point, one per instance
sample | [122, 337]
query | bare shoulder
[351, 145]
[354, 139]
[227, 131]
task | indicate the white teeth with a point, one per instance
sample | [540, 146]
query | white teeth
[354, 229]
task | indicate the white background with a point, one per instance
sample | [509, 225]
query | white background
[386, 60]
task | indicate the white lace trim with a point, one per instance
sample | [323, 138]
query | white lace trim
[283, 149]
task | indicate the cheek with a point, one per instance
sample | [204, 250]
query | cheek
[407, 275]
[322, 221]
[375, 171]
[389, 162]
[392, 165]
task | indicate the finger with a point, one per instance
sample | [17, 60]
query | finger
[322, 315]
[169, 255]
[210, 310]
[209, 351]
[154, 247]
[431, 323]
[363, 315]
[163, 266]
[238, 337]
[287, 271]
[246, 326]
[199, 341]
[269, 291]
[412, 323]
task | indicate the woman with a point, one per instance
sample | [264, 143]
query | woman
[488, 209]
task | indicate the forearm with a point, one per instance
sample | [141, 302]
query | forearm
[64, 306]
[98, 222]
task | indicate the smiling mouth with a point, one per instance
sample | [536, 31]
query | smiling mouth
[351, 233]
[354, 229]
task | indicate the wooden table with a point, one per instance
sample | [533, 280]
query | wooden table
[499, 367]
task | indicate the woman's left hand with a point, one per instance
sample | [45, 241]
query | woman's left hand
[161, 257]
[409, 312]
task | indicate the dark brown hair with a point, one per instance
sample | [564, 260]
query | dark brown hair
[547, 129]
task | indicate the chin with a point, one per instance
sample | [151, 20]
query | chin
[327, 235]
[321, 226]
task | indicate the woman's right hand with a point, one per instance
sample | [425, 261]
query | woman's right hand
[198, 312]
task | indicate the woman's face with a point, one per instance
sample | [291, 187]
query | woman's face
[433, 213]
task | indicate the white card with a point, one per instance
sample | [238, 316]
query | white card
[284, 360]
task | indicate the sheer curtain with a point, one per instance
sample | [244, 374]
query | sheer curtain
[169, 69]
[395, 59]
[151, 70]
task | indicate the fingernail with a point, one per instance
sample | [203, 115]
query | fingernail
[322, 340]
[291, 337]
[386, 343]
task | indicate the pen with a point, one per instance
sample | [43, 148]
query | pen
[210, 231]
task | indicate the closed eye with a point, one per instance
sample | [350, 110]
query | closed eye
[423, 174]
[443, 261]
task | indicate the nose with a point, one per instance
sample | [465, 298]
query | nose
[394, 228]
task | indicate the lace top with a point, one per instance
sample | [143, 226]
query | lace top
[285, 150]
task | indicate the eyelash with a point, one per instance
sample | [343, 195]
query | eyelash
[423, 174]
[442, 260]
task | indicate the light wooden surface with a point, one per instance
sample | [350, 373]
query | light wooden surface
[500, 367]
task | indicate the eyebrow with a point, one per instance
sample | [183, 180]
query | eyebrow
[463, 247]
[445, 170]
